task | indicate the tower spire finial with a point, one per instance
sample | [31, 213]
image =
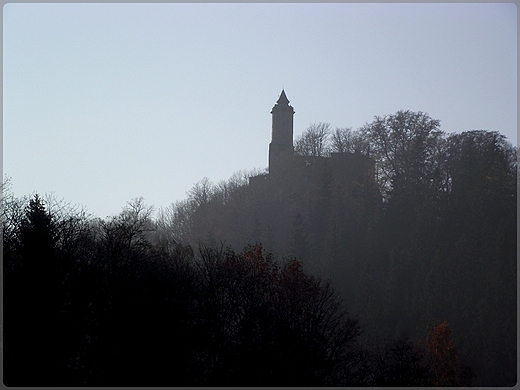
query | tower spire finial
[282, 99]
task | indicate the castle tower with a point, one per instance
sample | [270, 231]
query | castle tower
[281, 147]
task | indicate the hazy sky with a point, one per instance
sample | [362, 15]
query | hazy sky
[103, 103]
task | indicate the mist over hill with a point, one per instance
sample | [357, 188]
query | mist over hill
[353, 260]
[411, 225]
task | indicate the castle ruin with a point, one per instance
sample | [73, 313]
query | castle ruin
[284, 166]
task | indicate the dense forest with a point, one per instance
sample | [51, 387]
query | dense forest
[401, 274]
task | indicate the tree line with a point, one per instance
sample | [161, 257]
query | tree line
[90, 302]
[175, 299]
[429, 234]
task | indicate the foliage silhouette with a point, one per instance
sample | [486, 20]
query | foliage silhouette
[124, 312]
[420, 225]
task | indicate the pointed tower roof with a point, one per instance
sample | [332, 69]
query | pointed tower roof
[283, 99]
[282, 104]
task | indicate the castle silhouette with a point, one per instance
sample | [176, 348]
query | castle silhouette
[281, 148]
[346, 169]
[291, 206]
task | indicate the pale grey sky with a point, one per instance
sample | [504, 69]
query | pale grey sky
[103, 103]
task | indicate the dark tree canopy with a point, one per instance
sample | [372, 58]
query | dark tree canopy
[397, 222]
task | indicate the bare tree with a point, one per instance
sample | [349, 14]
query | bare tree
[175, 222]
[313, 141]
[404, 145]
[202, 192]
[125, 238]
[345, 140]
